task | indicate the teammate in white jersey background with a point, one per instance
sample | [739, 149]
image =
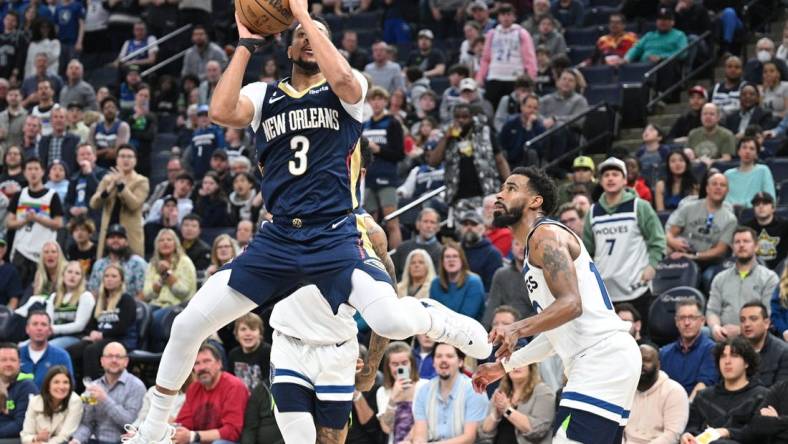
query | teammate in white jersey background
[575, 318]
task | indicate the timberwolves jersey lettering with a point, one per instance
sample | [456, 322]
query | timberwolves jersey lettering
[598, 320]
[306, 144]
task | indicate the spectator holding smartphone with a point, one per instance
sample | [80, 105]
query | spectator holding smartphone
[395, 396]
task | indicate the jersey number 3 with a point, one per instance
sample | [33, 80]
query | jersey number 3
[300, 147]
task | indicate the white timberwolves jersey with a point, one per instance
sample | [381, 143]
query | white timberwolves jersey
[598, 319]
[306, 315]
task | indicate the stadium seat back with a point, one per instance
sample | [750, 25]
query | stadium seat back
[582, 36]
[779, 169]
[725, 165]
[661, 315]
[598, 74]
[609, 93]
[672, 273]
[143, 322]
[633, 72]
[579, 53]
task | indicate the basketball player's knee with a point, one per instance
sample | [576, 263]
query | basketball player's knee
[186, 327]
[389, 318]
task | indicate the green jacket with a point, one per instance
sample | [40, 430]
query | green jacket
[648, 223]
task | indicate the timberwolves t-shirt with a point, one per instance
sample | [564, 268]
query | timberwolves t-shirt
[253, 367]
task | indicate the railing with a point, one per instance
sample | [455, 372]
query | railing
[685, 77]
[156, 42]
[563, 125]
[420, 200]
[163, 63]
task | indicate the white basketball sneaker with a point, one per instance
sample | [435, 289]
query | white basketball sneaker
[458, 330]
[137, 437]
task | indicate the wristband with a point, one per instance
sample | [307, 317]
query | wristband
[250, 44]
[120, 186]
[191, 436]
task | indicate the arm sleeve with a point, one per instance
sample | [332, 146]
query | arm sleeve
[528, 53]
[652, 231]
[535, 351]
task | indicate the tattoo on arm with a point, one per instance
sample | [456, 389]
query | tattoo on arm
[553, 257]
[327, 435]
[377, 348]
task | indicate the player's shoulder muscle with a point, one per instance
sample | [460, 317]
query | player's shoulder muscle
[356, 110]
[552, 238]
[251, 100]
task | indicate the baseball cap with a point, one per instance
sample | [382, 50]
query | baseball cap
[583, 162]
[613, 163]
[472, 216]
[468, 84]
[762, 197]
[697, 89]
[169, 198]
[116, 230]
[202, 109]
[665, 13]
[426, 33]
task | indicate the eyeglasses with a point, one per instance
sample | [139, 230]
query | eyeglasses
[118, 357]
[688, 318]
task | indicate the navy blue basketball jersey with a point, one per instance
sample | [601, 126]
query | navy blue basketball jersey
[307, 145]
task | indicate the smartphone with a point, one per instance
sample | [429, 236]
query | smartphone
[403, 373]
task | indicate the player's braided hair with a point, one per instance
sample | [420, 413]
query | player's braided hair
[541, 184]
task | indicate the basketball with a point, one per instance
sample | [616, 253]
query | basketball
[265, 17]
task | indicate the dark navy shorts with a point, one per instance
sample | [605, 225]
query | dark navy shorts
[281, 258]
[585, 427]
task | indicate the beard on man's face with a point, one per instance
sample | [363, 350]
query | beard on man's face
[309, 68]
[647, 378]
[503, 217]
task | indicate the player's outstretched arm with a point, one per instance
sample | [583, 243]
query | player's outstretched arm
[549, 249]
[332, 64]
[228, 107]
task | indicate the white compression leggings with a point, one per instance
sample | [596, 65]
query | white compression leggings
[296, 427]
[216, 305]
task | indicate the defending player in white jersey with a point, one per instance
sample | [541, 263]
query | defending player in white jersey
[313, 357]
[575, 318]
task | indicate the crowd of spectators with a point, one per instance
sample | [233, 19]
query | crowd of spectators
[119, 197]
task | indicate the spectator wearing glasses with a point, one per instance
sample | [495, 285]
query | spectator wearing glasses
[118, 398]
[746, 281]
[688, 360]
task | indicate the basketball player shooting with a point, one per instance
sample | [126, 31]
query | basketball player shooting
[307, 131]
[574, 319]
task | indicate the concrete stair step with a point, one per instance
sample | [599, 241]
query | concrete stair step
[630, 144]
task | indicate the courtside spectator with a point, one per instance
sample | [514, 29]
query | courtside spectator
[730, 405]
[244, 232]
[571, 216]
[35, 214]
[746, 281]
[53, 415]
[417, 275]
[440, 399]
[483, 258]
[394, 397]
[38, 355]
[660, 410]
[215, 403]
[688, 360]
[773, 353]
[498, 74]
[118, 397]
[769, 423]
[625, 237]
[202, 51]
[456, 287]
[772, 230]
[223, 251]
[19, 388]
[628, 313]
[119, 253]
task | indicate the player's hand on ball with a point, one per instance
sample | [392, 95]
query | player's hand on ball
[299, 8]
[486, 374]
[243, 31]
